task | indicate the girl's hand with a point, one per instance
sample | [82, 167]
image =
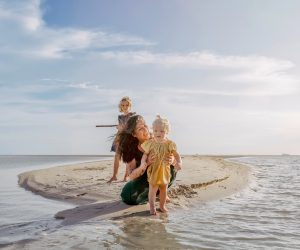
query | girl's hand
[178, 166]
[121, 127]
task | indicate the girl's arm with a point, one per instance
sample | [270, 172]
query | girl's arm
[178, 164]
[120, 127]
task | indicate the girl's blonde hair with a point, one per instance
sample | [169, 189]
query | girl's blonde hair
[163, 122]
[127, 99]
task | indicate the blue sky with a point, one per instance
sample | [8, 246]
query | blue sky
[225, 73]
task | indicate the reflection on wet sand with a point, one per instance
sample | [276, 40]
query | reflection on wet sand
[138, 232]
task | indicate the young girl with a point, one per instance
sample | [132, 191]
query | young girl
[159, 172]
[124, 107]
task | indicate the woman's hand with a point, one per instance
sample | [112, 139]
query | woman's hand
[170, 159]
[150, 158]
[178, 166]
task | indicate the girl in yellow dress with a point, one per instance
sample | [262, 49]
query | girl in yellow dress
[159, 171]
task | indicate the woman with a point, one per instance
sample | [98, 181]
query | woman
[136, 132]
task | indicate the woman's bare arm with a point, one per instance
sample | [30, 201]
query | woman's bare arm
[131, 166]
[135, 171]
[144, 159]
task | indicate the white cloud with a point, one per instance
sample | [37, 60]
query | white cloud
[52, 97]
[250, 90]
[64, 42]
[258, 64]
[28, 35]
[206, 95]
[220, 128]
[25, 13]
[253, 74]
[55, 80]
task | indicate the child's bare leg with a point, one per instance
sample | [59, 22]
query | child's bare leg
[163, 198]
[151, 197]
[116, 167]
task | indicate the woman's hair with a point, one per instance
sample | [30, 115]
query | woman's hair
[127, 143]
[163, 122]
[125, 99]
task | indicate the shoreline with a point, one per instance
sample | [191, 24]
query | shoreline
[202, 179]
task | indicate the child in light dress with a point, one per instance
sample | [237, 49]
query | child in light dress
[124, 107]
[159, 172]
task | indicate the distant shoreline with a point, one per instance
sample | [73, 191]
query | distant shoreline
[61, 155]
[112, 155]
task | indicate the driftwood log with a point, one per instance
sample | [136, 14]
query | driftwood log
[105, 126]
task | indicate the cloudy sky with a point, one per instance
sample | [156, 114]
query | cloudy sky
[225, 73]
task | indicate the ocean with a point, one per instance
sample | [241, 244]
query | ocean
[265, 215]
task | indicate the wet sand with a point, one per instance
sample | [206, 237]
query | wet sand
[202, 178]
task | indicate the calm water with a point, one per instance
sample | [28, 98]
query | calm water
[264, 216]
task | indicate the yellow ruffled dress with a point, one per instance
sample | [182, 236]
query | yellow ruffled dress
[159, 171]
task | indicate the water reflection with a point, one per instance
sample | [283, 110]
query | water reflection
[140, 232]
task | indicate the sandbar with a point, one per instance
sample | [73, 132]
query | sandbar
[203, 178]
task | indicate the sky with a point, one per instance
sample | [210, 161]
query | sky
[225, 73]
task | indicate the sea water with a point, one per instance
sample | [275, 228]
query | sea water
[23, 215]
[265, 215]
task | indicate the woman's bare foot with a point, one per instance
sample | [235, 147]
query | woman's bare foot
[114, 178]
[164, 209]
[168, 199]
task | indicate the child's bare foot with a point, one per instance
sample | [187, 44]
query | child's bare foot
[152, 209]
[164, 209]
[114, 178]
[153, 212]
[125, 179]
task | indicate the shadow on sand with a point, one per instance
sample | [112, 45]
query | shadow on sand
[109, 209]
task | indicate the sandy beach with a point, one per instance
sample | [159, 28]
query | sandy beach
[202, 179]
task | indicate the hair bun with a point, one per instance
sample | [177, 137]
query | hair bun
[165, 122]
